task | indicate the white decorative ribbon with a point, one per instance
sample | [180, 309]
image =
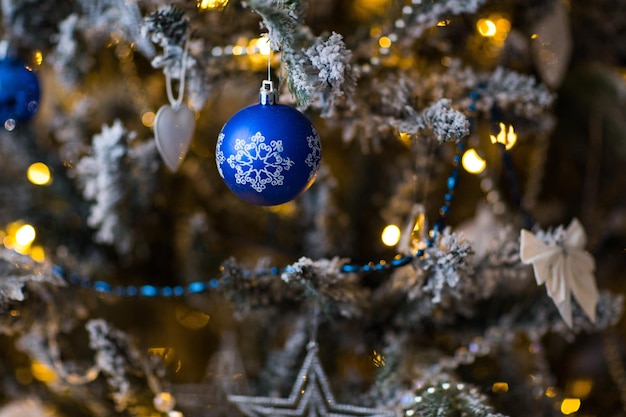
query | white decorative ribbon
[565, 267]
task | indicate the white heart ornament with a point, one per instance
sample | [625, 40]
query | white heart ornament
[173, 131]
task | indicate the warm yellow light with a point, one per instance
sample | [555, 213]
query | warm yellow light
[260, 46]
[472, 162]
[507, 138]
[43, 372]
[486, 27]
[8, 242]
[391, 235]
[500, 387]
[418, 232]
[38, 254]
[579, 388]
[406, 138]
[378, 359]
[238, 50]
[39, 174]
[444, 22]
[503, 25]
[212, 4]
[147, 119]
[384, 42]
[375, 31]
[25, 235]
[287, 209]
[38, 57]
[191, 319]
[570, 405]
[533, 36]
[551, 392]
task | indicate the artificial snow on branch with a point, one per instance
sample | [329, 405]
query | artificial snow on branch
[448, 267]
[16, 271]
[117, 359]
[426, 15]
[439, 120]
[168, 28]
[117, 178]
[319, 71]
[118, 18]
[335, 78]
[91, 25]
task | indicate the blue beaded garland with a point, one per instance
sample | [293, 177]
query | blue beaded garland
[268, 153]
[19, 93]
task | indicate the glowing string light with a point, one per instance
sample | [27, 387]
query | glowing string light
[384, 42]
[391, 235]
[570, 405]
[486, 27]
[212, 4]
[508, 138]
[472, 162]
[39, 174]
[25, 235]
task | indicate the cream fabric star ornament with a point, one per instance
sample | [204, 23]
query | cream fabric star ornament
[560, 261]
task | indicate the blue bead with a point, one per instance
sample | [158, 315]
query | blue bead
[268, 154]
[214, 283]
[405, 260]
[449, 196]
[420, 252]
[167, 291]
[57, 270]
[131, 291]
[101, 286]
[443, 210]
[19, 92]
[196, 287]
[452, 180]
[148, 290]
[367, 268]
[380, 266]
[471, 107]
[350, 268]
[178, 290]
[474, 95]
[275, 271]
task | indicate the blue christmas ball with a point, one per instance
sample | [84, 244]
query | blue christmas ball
[268, 153]
[19, 93]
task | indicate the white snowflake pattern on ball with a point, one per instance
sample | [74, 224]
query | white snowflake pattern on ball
[314, 158]
[259, 163]
[219, 154]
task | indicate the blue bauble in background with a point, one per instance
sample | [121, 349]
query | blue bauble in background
[268, 153]
[19, 93]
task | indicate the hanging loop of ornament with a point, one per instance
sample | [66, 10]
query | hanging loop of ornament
[175, 102]
[267, 95]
